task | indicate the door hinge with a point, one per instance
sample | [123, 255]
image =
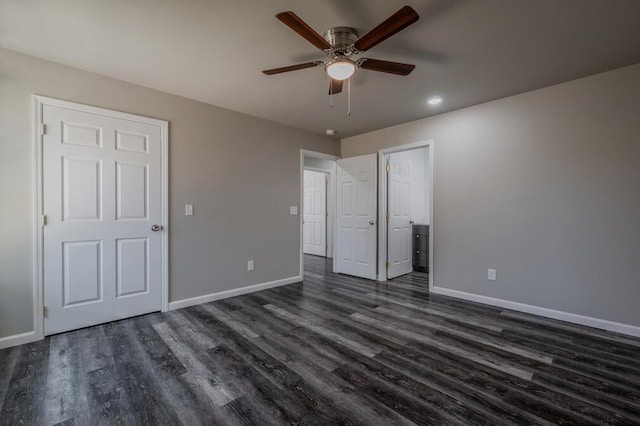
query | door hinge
[45, 311]
[43, 220]
[388, 168]
[387, 264]
[387, 216]
[43, 129]
[326, 214]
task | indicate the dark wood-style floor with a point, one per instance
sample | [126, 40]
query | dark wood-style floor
[331, 350]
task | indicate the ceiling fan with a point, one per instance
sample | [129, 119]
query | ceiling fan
[342, 45]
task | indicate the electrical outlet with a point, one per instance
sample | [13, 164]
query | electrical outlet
[188, 210]
[250, 265]
[293, 210]
[491, 274]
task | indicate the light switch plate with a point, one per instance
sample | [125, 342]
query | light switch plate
[188, 210]
[250, 265]
[293, 210]
[491, 274]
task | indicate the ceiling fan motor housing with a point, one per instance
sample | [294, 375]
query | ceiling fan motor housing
[342, 39]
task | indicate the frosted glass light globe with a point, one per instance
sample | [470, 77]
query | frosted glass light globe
[340, 69]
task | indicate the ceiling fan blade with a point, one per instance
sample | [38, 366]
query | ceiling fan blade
[395, 23]
[292, 68]
[335, 86]
[294, 22]
[387, 66]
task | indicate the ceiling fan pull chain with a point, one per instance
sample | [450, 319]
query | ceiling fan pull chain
[349, 96]
[330, 93]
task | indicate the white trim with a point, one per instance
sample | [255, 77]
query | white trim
[432, 220]
[382, 223]
[43, 100]
[38, 289]
[617, 327]
[164, 138]
[179, 304]
[322, 156]
[18, 339]
[38, 269]
[382, 206]
[317, 169]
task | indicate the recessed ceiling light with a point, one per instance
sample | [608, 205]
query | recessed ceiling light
[435, 100]
[330, 132]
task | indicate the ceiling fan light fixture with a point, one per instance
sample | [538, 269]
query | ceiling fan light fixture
[340, 68]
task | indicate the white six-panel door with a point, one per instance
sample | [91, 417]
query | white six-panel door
[356, 221]
[315, 213]
[102, 193]
[399, 208]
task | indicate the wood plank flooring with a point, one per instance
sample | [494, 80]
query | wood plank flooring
[331, 350]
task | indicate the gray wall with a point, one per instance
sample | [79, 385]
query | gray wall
[240, 172]
[543, 186]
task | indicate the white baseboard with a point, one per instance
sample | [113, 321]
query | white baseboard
[18, 339]
[617, 327]
[178, 304]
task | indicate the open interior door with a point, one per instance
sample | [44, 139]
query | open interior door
[399, 210]
[356, 244]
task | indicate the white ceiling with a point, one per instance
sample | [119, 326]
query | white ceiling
[468, 51]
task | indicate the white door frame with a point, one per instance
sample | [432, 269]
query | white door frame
[382, 206]
[332, 212]
[38, 268]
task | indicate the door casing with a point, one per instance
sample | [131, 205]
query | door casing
[38, 103]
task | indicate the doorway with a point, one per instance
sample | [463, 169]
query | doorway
[315, 213]
[406, 204]
[318, 204]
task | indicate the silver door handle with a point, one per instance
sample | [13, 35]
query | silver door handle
[371, 222]
[156, 228]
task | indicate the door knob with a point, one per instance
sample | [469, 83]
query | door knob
[156, 228]
[371, 222]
